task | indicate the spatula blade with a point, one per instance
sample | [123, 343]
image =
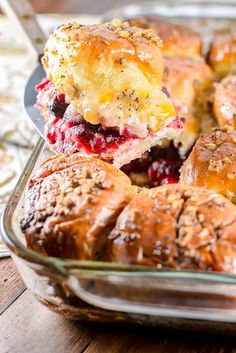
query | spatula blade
[30, 99]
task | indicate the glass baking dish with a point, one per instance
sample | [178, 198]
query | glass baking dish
[106, 292]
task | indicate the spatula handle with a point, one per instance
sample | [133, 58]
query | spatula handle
[22, 12]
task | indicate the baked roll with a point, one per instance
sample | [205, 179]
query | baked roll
[212, 163]
[177, 40]
[222, 54]
[224, 102]
[71, 204]
[189, 82]
[104, 94]
[176, 226]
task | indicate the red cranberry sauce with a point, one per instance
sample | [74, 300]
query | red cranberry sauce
[161, 164]
[58, 105]
[42, 85]
[69, 135]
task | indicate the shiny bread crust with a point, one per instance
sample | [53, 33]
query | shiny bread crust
[111, 72]
[176, 226]
[71, 204]
[224, 102]
[222, 54]
[177, 40]
[212, 164]
[103, 40]
[83, 208]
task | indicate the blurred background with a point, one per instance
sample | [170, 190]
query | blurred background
[79, 6]
[90, 6]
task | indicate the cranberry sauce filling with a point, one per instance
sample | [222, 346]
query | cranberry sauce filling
[161, 164]
[42, 85]
[71, 135]
[58, 105]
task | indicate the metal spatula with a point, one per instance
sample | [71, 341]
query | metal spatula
[22, 12]
[30, 99]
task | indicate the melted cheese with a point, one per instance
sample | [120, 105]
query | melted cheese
[111, 81]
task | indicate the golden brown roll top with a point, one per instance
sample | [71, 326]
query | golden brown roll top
[177, 40]
[212, 163]
[71, 203]
[177, 227]
[111, 73]
[222, 54]
[224, 103]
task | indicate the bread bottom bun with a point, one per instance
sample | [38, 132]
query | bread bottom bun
[177, 227]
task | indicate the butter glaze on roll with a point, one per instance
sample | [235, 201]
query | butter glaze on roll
[222, 54]
[177, 40]
[212, 163]
[71, 204]
[179, 227]
[110, 75]
[96, 65]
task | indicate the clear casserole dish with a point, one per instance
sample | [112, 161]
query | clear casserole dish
[106, 292]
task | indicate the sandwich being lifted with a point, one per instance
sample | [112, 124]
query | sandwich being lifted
[104, 93]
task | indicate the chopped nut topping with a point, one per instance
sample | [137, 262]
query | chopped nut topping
[217, 134]
[138, 34]
[157, 40]
[204, 233]
[124, 34]
[177, 203]
[226, 160]
[227, 128]
[187, 193]
[210, 146]
[191, 209]
[60, 211]
[215, 166]
[172, 198]
[201, 217]
[117, 23]
[230, 176]
[231, 195]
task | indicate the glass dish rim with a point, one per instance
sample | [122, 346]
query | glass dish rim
[62, 265]
[143, 9]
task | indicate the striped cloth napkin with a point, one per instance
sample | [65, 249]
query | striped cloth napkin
[17, 135]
